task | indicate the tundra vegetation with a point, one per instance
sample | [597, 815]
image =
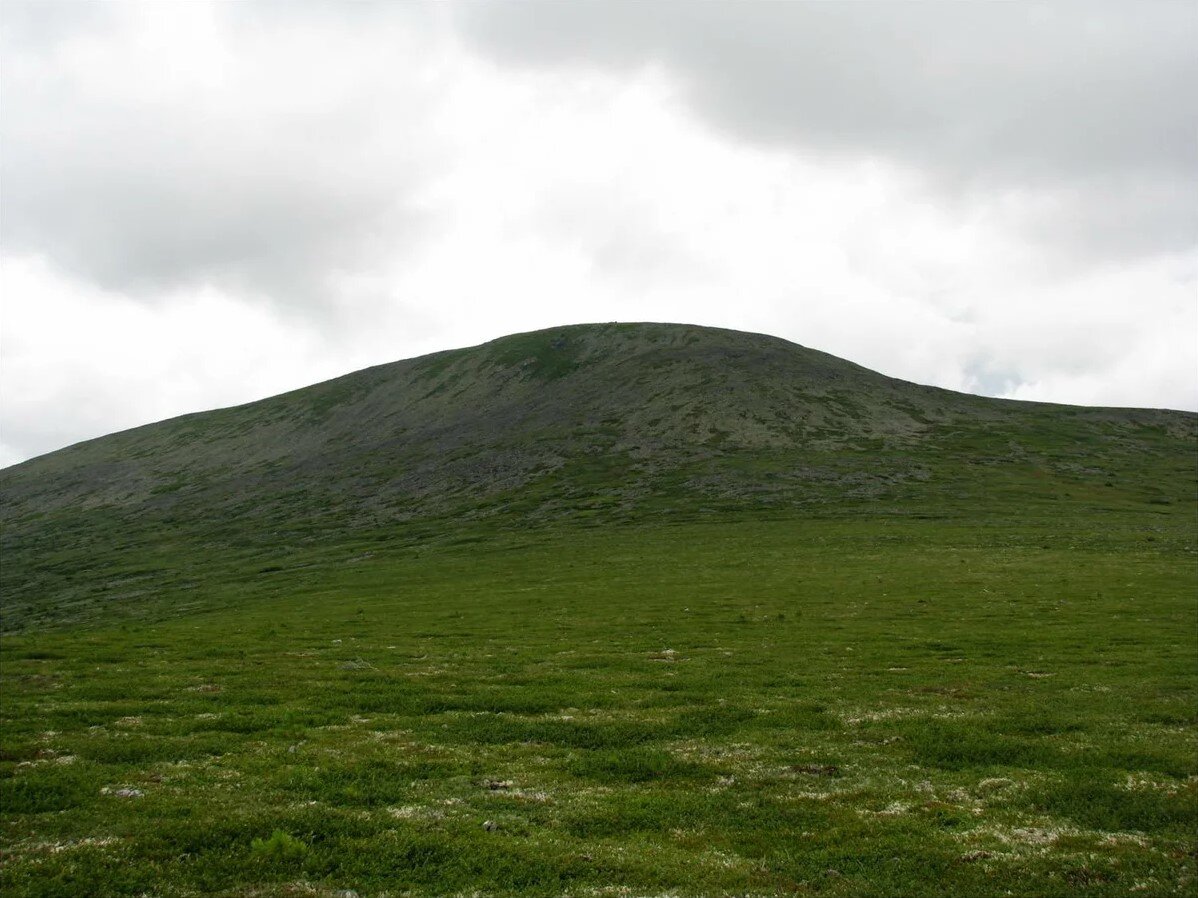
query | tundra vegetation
[610, 610]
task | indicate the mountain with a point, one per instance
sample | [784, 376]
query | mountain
[571, 426]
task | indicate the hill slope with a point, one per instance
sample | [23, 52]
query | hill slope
[594, 423]
[602, 611]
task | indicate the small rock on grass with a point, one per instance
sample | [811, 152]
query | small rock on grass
[122, 793]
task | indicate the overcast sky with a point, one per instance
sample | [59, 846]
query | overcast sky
[208, 204]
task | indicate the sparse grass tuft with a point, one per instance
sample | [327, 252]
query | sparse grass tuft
[280, 848]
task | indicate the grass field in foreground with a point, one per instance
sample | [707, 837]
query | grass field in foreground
[831, 708]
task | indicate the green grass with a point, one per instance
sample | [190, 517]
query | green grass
[606, 610]
[544, 355]
[856, 707]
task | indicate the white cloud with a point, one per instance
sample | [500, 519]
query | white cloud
[79, 361]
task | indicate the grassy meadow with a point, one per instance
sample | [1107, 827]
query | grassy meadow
[745, 706]
[605, 610]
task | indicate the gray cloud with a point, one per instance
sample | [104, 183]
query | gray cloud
[259, 154]
[1087, 107]
[29, 24]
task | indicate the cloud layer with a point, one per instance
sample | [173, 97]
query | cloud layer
[158, 145]
[1083, 103]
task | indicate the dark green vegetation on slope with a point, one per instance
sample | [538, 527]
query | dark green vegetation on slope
[676, 610]
[603, 424]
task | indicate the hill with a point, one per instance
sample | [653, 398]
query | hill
[605, 611]
[573, 425]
